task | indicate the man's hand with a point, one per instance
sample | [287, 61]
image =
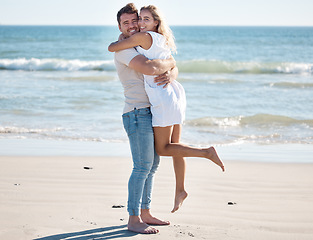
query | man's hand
[165, 78]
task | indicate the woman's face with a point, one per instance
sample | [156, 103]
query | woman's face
[146, 21]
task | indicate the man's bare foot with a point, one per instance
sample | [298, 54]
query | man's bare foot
[179, 198]
[149, 219]
[136, 225]
[212, 155]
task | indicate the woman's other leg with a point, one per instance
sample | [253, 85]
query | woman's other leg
[179, 164]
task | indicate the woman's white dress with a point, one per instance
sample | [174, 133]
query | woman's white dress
[168, 105]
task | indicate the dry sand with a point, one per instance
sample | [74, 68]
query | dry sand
[56, 198]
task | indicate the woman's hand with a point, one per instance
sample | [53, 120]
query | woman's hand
[112, 47]
[121, 37]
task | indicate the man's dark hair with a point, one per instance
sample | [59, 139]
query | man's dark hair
[129, 8]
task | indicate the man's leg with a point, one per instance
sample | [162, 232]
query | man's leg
[140, 136]
[147, 195]
[147, 191]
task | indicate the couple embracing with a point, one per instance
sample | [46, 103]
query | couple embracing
[154, 109]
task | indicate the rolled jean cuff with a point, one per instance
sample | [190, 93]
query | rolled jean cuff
[145, 206]
[133, 212]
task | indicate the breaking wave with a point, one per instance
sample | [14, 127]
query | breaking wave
[191, 66]
[215, 66]
[19, 130]
[50, 64]
[255, 120]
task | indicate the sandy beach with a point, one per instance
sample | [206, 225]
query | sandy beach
[65, 155]
[73, 198]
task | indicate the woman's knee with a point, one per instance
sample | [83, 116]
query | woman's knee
[161, 150]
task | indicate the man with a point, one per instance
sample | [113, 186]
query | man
[137, 120]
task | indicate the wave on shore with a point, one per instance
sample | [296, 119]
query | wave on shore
[50, 64]
[261, 120]
[190, 66]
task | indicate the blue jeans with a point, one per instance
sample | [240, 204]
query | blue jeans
[138, 125]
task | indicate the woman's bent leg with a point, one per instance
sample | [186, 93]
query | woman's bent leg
[164, 147]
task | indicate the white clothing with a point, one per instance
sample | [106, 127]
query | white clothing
[168, 105]
[132, 81]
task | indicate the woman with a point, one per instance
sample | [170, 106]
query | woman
[168, 103]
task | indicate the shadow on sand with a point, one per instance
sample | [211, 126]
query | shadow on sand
[98, 233]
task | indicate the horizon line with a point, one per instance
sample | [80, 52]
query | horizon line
[110, 25]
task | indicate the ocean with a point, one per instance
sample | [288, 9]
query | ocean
[244, 85]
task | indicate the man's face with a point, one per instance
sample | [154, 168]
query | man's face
[128, 24]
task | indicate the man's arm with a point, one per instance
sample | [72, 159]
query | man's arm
[151, 67]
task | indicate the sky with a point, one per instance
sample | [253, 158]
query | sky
[177, 12]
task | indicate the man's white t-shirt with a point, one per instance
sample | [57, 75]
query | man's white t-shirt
[132, 81]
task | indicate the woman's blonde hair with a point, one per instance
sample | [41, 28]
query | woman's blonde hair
[162, 27]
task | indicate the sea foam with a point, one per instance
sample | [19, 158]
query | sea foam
[47, 64]
[190, 66]
[217, 66]
[254, 120]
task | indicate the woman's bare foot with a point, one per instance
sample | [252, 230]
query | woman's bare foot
[136, 225]
[212, 155]
[179, 198]
[149, 219]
